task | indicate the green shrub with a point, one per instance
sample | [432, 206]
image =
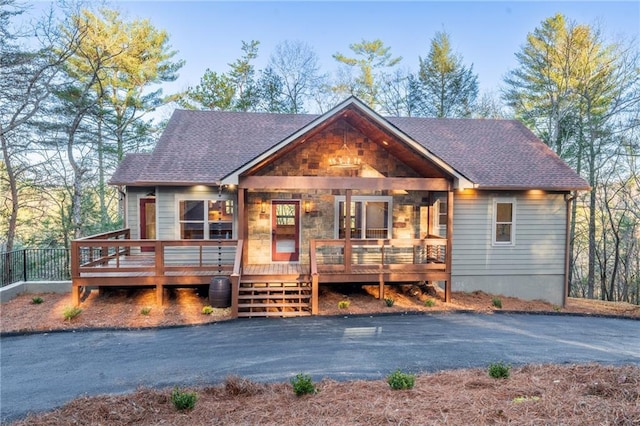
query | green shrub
[302, 384]
[389, 301]
[498, 370]
[145, 311]
[37, 300]
[207, 310]
[343, 304]
[399, 380]
[183, 400]
[70, 312]
[496, 302]
[429, 303]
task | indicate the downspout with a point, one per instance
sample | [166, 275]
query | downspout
[568, 198]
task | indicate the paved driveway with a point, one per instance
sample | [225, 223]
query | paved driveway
[40, 372]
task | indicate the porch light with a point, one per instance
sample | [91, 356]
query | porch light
[343, 158]
[263, 207]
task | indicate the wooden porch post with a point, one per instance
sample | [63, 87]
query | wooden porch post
[75, 267]
[159, 258]
[243, 230]
[448, 256]
[347, 232]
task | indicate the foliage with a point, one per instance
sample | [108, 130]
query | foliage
[445, 87]
[183, 400]
[207, 310]
[145, 311]
[70, 312]
[369, 57]
[303, 384]
[37, 300]
[498, 370]
[496, 302]
[389, 301]
[429, 303]
[399, 380]
[343, 304]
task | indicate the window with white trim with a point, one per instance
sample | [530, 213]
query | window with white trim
[370, 217]
[504, 221]
[205, 219]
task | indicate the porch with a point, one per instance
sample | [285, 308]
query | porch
[278, 289]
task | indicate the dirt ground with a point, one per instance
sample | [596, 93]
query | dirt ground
[533, 394]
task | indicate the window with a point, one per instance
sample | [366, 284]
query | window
[216, 224]
[504, 222]
[370, 217]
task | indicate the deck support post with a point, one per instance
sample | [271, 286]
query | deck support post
[449, 249]
[381, 287]
[75, 295]
[314, 294]
[159, 294]
[235, 291]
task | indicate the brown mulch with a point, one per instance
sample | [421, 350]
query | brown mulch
[118, 308]
[533, 394]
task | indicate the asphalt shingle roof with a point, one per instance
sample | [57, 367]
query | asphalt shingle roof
[202, 147]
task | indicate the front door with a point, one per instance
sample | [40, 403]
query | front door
[147, 221]
[285, 231]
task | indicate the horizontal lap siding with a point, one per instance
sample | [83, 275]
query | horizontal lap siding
[167, 209]
[540, 236]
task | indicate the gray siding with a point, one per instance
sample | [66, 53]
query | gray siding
[533, 268]
[133, 209]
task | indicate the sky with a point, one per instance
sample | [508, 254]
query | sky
[486, 34]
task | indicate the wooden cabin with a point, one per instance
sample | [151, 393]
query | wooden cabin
[282, 203]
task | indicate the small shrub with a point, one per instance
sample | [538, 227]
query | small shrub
[37, 300]
[70, 312]
[302, 384]
[389, 301]
[207, 310]
[183, 400]
[557, 308]
[496, 302]
[498, 370]
[429, 303]
[343, 304]
[145, 311]
[399, 380]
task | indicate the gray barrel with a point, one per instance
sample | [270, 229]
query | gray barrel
[220, 292]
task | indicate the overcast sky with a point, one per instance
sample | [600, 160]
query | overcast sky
[487, 34]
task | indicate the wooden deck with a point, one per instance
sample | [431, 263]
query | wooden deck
[115, 260]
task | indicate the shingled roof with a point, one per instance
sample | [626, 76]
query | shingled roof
[203, 147]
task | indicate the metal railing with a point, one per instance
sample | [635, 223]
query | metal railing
[34, 265]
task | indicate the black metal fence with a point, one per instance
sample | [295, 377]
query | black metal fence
[34, 265]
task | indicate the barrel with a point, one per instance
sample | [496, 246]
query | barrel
[220, 292]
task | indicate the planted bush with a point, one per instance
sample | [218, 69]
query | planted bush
[389, 301]
[37, 300]
[70, 312]
[302, 384]
[498, 370]
[343, 304]
[399, 380]
[496, 302]
[429, 303]
[207, 310]
[145, 311]
[183, 400]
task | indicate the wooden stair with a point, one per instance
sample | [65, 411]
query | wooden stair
[284, 296]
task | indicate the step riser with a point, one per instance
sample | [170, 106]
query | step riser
[282, 297]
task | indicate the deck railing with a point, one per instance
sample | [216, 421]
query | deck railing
[114, 252]
[348, 256]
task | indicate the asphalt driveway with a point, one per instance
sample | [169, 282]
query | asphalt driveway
[43, 371]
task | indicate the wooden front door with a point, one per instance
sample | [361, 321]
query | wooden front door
[147, 221]
[285, 231]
